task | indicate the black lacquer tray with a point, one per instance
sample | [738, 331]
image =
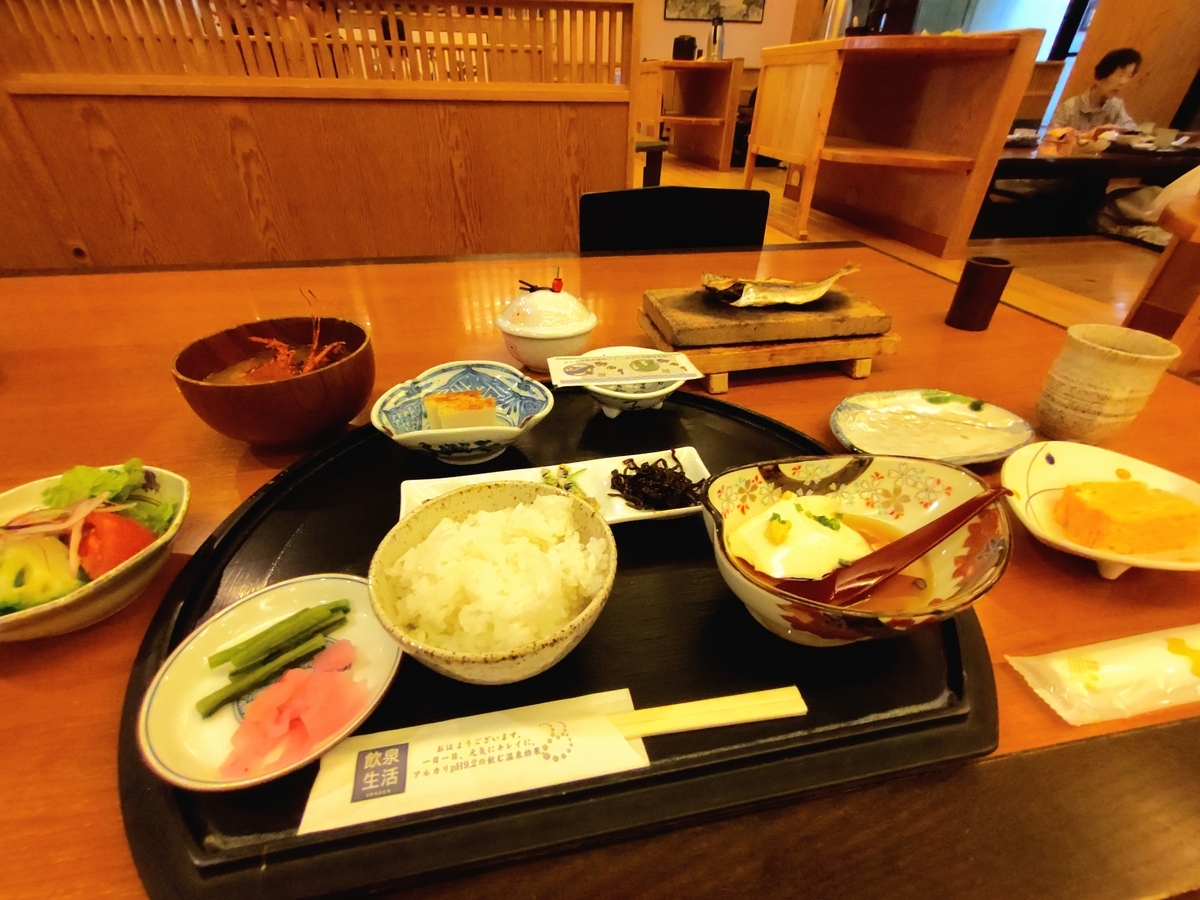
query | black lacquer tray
[671, 632]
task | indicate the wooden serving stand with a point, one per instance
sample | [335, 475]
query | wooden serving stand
[718, 339]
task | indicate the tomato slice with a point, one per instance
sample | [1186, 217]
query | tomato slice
[108, 540]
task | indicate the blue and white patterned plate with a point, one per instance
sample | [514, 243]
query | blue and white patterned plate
[521, 403]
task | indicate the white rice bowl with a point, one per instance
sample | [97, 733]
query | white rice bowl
[498, 580]
[493, 582]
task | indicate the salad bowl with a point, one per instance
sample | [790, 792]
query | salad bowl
[892, 495]
[107, 594]
[521, 403]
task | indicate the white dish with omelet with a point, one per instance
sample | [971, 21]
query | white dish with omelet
[1038, 474]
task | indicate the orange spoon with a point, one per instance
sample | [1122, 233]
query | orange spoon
[845, 585]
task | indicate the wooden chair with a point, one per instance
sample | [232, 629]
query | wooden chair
[671, 218]
[1169, 304]
[1037, 96]
[647, 101]
[796, 89]
[648, 118]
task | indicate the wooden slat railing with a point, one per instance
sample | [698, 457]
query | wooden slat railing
[532, 41]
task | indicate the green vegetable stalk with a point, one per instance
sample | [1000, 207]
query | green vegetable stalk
[258, 658]
[239, 687]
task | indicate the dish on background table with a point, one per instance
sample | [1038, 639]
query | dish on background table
[1038, 473]
[187, 750]
[592, 476]
[110, 592]
[928, 423]
[1022, 137]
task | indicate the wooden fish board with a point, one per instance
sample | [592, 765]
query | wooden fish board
[853, 353]
[688, 317]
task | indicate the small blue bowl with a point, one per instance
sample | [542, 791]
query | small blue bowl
[521, 403]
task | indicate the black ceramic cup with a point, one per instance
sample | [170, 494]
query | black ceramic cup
[684, 47]
[979, 289]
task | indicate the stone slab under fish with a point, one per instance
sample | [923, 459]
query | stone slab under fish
[688, 317]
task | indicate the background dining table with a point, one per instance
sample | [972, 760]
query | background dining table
[1101, 811]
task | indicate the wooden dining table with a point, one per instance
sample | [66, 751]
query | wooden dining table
[1110, 810]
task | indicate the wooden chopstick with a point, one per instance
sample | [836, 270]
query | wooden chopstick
[735, 709]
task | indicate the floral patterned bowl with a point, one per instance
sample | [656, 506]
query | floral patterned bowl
[521, 403]
[890, 494]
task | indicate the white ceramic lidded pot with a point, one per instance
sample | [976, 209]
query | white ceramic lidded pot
[1100, 381]
[544, 323]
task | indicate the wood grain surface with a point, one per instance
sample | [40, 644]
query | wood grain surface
[158, 134]
[154, 181]
[1101, 811]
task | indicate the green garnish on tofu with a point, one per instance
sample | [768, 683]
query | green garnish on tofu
[833, 524]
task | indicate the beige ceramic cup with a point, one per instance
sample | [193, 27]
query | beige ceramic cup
[1100, 381]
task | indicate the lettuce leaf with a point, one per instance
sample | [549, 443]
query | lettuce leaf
[154, 514]
[131, 483]
[83, 482]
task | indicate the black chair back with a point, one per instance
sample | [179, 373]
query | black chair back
[671, 218]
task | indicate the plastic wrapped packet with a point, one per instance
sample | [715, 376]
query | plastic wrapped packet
[1117, 679]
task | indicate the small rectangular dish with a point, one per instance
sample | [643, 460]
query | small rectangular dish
[590, 477]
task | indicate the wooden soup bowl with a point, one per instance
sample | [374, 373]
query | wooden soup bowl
[290, 411]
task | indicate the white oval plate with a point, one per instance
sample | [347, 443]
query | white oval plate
[592, 475]
[186, 749]
[1037, 474]
[928, 423]
[112, 591]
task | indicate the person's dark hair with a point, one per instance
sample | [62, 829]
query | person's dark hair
[1117, 59]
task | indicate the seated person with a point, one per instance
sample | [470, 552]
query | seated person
[1100, 107]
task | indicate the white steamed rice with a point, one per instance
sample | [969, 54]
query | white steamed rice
[498, 580]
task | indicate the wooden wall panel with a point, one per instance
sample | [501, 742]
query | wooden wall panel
[1165, 32]
[152, 181]
[805, 20]
[37, 228]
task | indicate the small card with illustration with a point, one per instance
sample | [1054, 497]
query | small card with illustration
[393, 773]
[624, 369]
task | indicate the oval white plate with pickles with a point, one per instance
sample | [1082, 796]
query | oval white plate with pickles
[587, 478]
[187, 750]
